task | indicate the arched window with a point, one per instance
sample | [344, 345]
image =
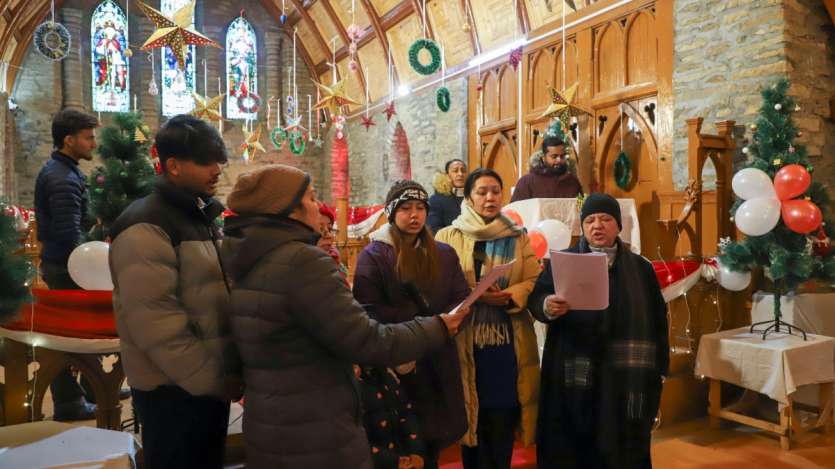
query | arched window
[177, 85]
[241, 66]
[111, 67]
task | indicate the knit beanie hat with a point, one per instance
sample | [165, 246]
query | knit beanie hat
[401, 192]
[274, 189]
[599, 202]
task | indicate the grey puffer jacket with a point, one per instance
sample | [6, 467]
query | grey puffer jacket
[299, 331]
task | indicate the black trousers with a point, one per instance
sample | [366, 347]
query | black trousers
[496, 430]
[181, 431]
[65, 389]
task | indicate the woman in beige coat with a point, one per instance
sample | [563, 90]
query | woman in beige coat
[497, 348]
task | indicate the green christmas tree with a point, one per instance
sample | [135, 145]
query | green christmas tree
[15, 269]
[788, 258]
[126, 173]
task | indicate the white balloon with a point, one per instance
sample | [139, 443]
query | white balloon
[732, 280]
[757, 217]
[88, 266]
[556, 233]
[751, 183]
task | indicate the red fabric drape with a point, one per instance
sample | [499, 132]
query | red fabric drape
[69, 313]
[669, 272]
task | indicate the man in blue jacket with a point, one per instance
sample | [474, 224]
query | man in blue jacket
[61, 211]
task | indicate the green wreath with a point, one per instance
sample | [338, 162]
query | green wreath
[433, 49]
[443, 99]
[277, 136]
[297, 142]
[623, 170]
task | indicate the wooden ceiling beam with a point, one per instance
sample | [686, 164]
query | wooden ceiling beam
[522, 15]
[468, 13]
[417, 8]
[22, 46]
[378, 25]
[312, 24]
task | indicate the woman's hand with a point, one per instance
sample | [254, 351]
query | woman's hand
[494, 296]
[453, 320]
[555, 306]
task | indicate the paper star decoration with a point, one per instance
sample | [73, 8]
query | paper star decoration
[175, 33]
[367, 122]
[333, 97]
[389, 111]
[562, 106]
[294, 123]
[251, 144]
[207, 109]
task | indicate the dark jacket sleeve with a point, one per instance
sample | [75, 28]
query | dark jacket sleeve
[460, 287]
[522, 190]
[544, 286]
[65, 202]
[369, 290]
[659, 311]
[340, 324]
[435, 219]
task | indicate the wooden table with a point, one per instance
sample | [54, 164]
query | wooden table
[776, 367]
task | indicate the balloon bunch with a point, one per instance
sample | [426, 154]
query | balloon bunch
[547, 236]
[765, 201]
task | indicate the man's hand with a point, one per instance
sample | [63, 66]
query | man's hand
[453, 321]
[494, 296]
[555, 306]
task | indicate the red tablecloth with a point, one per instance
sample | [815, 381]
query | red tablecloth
[80, 314]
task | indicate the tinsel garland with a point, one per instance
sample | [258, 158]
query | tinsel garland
[433, 50]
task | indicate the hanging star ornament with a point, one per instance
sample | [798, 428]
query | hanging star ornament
[251, 144]
[367, 122]
[563, 107]
[295, 123]
[389, 111]
[175, 33]
[333, 97]
[207, 109]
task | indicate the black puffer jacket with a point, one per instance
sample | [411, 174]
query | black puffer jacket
[299, 330]
[60, 207]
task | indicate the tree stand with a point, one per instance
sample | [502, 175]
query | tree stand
[774, 325]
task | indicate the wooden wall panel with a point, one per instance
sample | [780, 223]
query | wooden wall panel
[384, 6]
[571, 71]
[490, 98]
[541, 77]
[372, 56]
[342, 8]
[308, 36]
[494, 30]
[325, 25]
[500, 155]
[641, 49]
[609, 60]
[400, 37]
[447, 18]
[508, 93]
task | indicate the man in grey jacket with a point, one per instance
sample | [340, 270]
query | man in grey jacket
[171, 299]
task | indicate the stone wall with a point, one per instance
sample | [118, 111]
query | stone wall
[434, 137]
[726, 51]
[42, 88]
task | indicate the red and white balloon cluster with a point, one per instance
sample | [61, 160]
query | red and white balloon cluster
[547, 236]
[766, 201]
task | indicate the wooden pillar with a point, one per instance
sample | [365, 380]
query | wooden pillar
[585, 91]
[342, 220]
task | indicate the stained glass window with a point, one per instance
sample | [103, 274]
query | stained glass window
[111, 80]
[241, 66]
[177, 85]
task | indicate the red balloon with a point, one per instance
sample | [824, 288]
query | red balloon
[801, 216]
[538, 243]
[513, 215]
[791, 181]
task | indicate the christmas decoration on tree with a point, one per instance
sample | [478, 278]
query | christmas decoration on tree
[15, 269]
[779, 208]
[333, 97]
[175, 33]
[125, 175]
[563, 107]
[207, 109]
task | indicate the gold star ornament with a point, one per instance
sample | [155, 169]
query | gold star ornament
[175, 33]
[563, 107]
[333, 97]
[207, 109]
[251, 144]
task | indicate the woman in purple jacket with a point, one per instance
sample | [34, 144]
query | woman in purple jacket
[405, 273]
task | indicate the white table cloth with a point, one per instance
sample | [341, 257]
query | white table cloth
[534, 211]
[776, 366]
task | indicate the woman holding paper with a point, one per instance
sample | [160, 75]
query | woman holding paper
[402, 274]
[601, 370]
[497, 348]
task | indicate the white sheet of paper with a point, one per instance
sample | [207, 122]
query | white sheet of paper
[484, 284]
[582, 279]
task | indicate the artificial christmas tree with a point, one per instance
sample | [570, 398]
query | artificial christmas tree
[781, 210]
[15, 269]
[127, 173]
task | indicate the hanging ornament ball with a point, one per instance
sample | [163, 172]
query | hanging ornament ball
[153, 90]
[282, 18]
[753, 127]
[466, 27]
[796, 108]
[353, 65]
[791, 149]
[100, 180]
[778, 106]
[746, 150]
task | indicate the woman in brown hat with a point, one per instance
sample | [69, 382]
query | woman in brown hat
[299, 329]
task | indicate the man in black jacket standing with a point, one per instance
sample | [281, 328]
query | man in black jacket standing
[61, 211]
